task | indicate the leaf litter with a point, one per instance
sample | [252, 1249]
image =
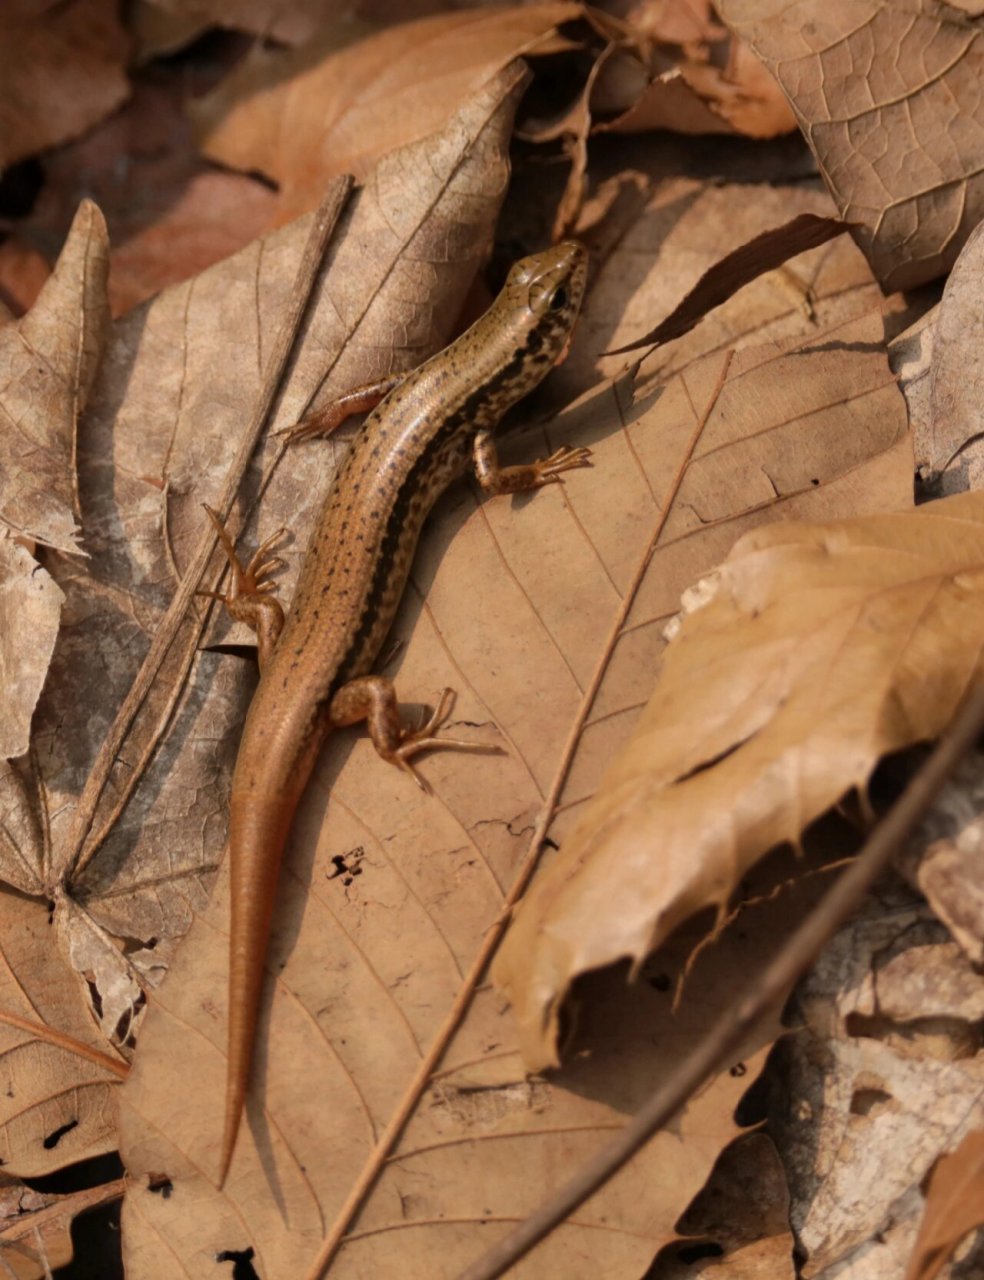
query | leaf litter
[551, 612]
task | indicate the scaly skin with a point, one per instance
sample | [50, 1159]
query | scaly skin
[315, 675]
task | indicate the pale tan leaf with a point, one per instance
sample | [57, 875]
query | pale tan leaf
[954, 1207]
[822, 648]
[301, 118]
[56, 1105]
[387, 894]
[956, 411]
[888, 95]
[61, 70]
[48, 361]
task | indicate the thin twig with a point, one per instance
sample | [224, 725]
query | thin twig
[716, 1048]
[83, 848]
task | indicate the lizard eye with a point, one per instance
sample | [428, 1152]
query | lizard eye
[559, 301]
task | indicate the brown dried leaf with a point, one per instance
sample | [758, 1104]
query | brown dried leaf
[700, 97]
[174, 390]
[61, 70]
[290, 21]
[764, 253]
[30, 611]
[171, 214]
[883, 1074]
[822, 648]
[303, 117]
[889, 98]
[48, 361]
[386, 893]
[35, 1227]
[954, 1207]
[956, 414]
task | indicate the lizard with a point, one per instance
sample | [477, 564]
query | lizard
[315, 663]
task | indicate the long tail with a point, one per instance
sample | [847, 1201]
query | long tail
[258, 828]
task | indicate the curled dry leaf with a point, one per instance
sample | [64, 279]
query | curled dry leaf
[823, 648]
[302, 117]
[888, 96]
[954, 1207]
[61, 70]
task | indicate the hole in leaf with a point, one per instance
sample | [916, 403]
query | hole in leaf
[242, 1263]
[56, 1135]
[866, 1101]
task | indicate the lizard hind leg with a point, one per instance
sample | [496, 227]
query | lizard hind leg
[373, 699]
[250, 597]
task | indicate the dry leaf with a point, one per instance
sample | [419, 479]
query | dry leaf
[48, 361]
[35, 1228]
[945, 857]
[699, 97]
[764, 253]
[387, 894]
[888, 96]
[822, 648]
[955, 414]
[174, 390]
[738, 1226]
[302, 117]
[884, 1072]
[954, 1207]
[170, 213]
[61, 70]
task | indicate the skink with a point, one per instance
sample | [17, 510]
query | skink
[314, 664]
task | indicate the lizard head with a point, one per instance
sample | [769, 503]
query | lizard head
[543, 293]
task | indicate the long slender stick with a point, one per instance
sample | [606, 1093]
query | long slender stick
[81, 844]
[715, 1049]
